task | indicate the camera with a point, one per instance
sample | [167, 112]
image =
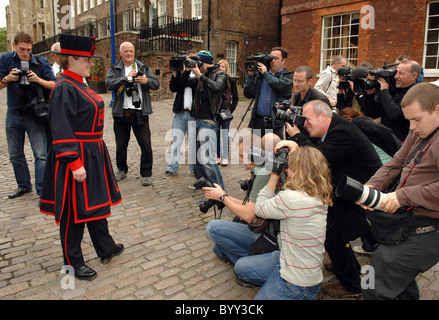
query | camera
[193, 62]
[22, 74]
[206, 204]
[132, 90]
[352, 190]
[362, 85]
[225, 115]
[177, 62]
[246, 184]
[345, 74]
[263, 57]
[280, 113]
[274, 162]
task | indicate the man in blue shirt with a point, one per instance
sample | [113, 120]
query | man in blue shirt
[20, 118]
[267, 87]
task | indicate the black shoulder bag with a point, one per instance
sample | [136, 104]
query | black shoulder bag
[39, 104]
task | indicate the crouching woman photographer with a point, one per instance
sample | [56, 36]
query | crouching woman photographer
[294, 272]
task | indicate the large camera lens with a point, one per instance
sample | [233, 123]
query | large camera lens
[352, 190]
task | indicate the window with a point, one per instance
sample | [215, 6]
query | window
[92, 4]
[126, 21]
[431, 46]
[340, 37]
[178, 9]
[79, 6]
[197, 9]
[161, 12]
[231, 57]
[86, 5]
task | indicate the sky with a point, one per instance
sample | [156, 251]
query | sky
[3, 4]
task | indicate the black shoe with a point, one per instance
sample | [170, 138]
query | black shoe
[18, 193]
[85, 273]
[118, 249]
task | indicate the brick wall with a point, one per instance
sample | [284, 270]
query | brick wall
[399, 29]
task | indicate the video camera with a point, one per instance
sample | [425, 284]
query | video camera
[274, 162]
[345, 74]
[362, 85]
[263, 57]
[22, 74]
[132, 90]
[206, 204]
[281, 113]
[179, 62]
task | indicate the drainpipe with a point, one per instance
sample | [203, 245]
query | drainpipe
[280, 23]
[209, 23]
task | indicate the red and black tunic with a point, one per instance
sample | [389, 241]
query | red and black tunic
[76, 118]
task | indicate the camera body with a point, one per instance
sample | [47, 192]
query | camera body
[280, 113]
[225, 115]
[132, 90]
[362, 85]
[262, 57]
[180, 61]
[206, 204]
[345, 74]
[274, 162]
[22, 74]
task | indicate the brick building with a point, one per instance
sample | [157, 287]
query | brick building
[376, 31]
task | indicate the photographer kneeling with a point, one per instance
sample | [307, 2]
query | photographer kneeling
[396, 265]
[295, 271]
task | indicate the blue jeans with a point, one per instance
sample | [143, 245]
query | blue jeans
[206, 165]
[16, 127]
[233, 240]
[223, 141]
[182, 123]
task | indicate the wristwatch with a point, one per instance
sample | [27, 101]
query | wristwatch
[221, 198]
[5, 79]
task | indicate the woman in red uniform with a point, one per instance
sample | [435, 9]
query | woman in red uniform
[79, 185]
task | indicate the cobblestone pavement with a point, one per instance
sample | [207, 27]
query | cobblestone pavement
[167, 255]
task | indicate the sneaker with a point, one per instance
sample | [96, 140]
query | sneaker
[192, 187]
[146, 181]
[120, 175]
[168, 174]
[360, 250]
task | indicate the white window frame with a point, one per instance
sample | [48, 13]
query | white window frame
[231, 54]
[197, 9]
[85, 5]
[161, 12]
[336, 48]
[79, 6]
[178, 9]
[430, 72]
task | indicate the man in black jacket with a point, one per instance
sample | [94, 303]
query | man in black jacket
[302, 87]
[386, 103]
[211, 83]
[350, 153]
[267, 87]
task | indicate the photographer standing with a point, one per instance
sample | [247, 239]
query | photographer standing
[131, 81]
[211, 83]
[183, 84]
[20, 118]
[386, 103]
[267, 87]
[328, 80]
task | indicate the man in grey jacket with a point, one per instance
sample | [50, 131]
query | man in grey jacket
[131, 80]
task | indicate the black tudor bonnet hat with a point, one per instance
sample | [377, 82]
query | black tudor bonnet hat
[79, 46]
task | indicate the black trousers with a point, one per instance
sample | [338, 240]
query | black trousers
[396, 267]
[122, 131]
[71, 235]
[261, 127]
[345, 265]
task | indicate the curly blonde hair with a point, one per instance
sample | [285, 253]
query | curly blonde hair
[311, 174]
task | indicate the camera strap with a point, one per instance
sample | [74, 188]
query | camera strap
[423, 146]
